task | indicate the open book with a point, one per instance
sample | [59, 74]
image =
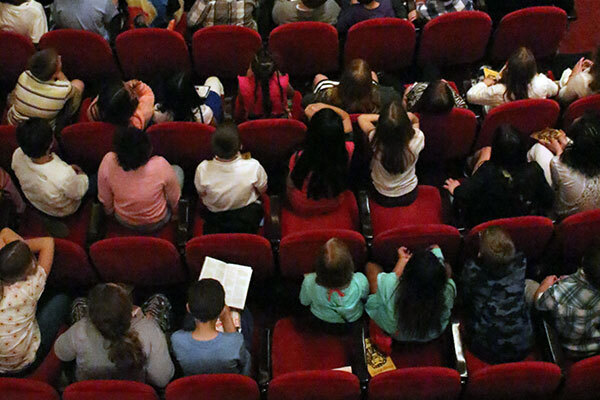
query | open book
[234, 278]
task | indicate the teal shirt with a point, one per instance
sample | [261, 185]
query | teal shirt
[335, 306]
[381, 307]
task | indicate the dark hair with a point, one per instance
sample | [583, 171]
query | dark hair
[393, 133]
[583, 154]
[133, 148]
[496, 248]
[508, 150]
[109, 309]
[591, 263]
[436, 99]
[263, 67]
[180, 97]
[313, 3]
[35, 137]
[15, 259]
[356, 92]
[334, 265]
[225, 140]
[420, 294]
[520, 70]
[206, 299]
[43, 64]
[595, 72]
[324, 159]
[115, 104]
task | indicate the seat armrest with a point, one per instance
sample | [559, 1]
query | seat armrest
[362, 372]
[459, 355]
[548, 337]
[265, 374]
[274, 224]
[364, 210]
[97, 225]
[183, 223]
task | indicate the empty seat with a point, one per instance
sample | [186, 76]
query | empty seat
[26, 389]
[580, 107]
[315, 385]
[575, 234]
[112, 389]
[71, 269]
[214, 387]
[86, 144]
[581, 381]
[364, 41]
[15, 51]
[448, 136]
[424, 383]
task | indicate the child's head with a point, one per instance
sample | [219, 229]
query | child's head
[180, 97]
[35, 137]
[591, 263]
[392, 135]
[355, 91]
[582, 154]
[132, 147]
[116, 103]
[334, 265]
[206, 300]
[44, 64]
[520, 70]
[225, 140]
[16, 261]
[313, 3]
[496, 248]
[436, 99]
[508, 149]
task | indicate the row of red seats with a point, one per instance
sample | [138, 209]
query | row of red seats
[301, 49]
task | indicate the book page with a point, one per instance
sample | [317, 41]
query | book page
[234, 278]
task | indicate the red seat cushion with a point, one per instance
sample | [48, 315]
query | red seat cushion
[26, 389]
[213, 386]
[582, 380]
[107, 389]
[425, 383]
[315, 385]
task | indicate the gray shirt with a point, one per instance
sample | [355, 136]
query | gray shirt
[225, 354]
[83, 343]
[89, 15]
[286, 11]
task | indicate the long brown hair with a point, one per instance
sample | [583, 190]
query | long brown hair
[521, 68]
[110, 311]
[15, 258]
[595, 72]
[356, 92]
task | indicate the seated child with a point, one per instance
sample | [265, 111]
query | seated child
[50, 184]
[335, 293]
[204, 350]
[498, 298]
[436, 97]
[43, 90]
[230, 186]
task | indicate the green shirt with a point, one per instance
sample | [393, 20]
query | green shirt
[333, 305]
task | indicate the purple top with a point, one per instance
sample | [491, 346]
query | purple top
[358, 12]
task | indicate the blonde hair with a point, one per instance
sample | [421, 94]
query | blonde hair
[496, 247]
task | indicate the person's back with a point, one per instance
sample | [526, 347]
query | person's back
[430, 9]
[288, 11]
[362, 10]
[90, 15]
[26, 17]
[206, 13]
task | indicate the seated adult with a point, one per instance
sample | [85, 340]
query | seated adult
[156, 13]
[26, 17]
[98, 16]
[518, 80]
[319, 172]
[574, 166]
[112, 339]
[503, 184]
[362, 10]
[583, 80]
[429, 9]
[140, 189]
[222, 12]
[43, 91]
[573, 303]
[435, 97]
[287, 11]
[50, 184]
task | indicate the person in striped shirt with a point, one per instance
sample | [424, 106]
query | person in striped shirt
[43, 91]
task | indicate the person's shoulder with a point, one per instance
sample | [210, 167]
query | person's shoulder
[310, 279]
[180, 336]
[232, 339]
[109, 159]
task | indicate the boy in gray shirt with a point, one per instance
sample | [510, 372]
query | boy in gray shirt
[287, 11]
[204, 350]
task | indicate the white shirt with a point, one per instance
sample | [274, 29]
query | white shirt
[577, 87]
[396, 185]
[575, 192]
[19, 331]
[540, 87]
[230, 184]
[27, 19]
[53, 188]
[202, 114]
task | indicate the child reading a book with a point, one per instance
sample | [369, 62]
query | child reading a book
[335, 293]
[204, 350]
[230, 186]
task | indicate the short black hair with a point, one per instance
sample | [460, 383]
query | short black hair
[43, 64]
[133, 148]
[115, 104]
[34, 137]
[206, 299]
[225, 140]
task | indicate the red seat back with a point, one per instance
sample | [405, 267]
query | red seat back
[305, 48]
[85, 55]
[365, 41]
[298, 251]
[71, 268]
[315, 385]
[582, 382]
[236, 248]
[26, 389]
[576, 233]
[538, 28]
[139, 260]
[530, 234]
[213, 386]
[149, 52]
[86, 143]
[107, 389]
[183, 143]
[225, 50]
[580, 107]
[527, 116]
[8, 145]
[448, 136]
[415, 237]
[15, 51]
[455, 38]
[424, 383]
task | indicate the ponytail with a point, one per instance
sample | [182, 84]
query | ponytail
[15, 259]
[263, 67]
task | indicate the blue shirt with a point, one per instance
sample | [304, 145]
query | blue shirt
[225, 354]
[88, 15]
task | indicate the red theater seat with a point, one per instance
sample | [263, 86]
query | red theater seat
[15, 51]
[86, 143]
[315, 385]
[576, 233]
[26, 389]
[581, 381]
[448, 136]
[425, 383]
[580, 107]
[71, 269]
[102, 390]
[214, 387]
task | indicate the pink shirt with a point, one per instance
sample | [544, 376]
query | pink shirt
[139, 197]
[142, 114]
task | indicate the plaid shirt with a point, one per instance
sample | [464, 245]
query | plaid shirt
[222, 12]
[575, 306]
[434, 8]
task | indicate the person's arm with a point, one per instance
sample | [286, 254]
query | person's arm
[7, 235]
[39, 24]
[486, 93]
[366, 122]
[44, 248]
[261, 180]
[159, 366]
[312, 109]
[414, 120]
[105, 193]
[305, 299]
[172, 188]
[404, 255]
[145, 109]
[227, 320]
[64, 348]
[245, 360]
[550, 88]
[544, 304]
[76, 185]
